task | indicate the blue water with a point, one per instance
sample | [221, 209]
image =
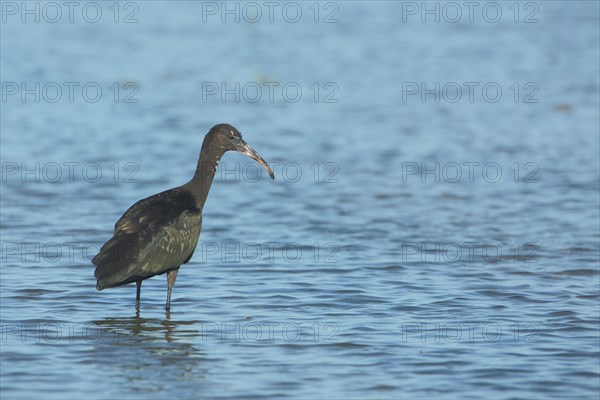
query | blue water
[419, 240]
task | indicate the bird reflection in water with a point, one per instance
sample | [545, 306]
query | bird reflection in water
[138, 329]
[149, 354]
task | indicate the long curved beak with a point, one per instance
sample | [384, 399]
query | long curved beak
[246, 149]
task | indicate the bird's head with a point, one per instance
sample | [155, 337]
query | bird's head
[228, 138]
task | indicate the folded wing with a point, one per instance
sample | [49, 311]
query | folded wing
[154, 236]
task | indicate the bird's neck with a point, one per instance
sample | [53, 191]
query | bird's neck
[205, 173]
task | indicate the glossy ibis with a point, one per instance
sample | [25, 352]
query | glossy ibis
[159, 233]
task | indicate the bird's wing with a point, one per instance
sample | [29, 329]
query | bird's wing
[155, 235]
[168, 246]
[167, 204]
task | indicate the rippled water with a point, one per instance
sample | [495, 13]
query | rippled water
[407, 248]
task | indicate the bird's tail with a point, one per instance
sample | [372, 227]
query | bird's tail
[114, 260]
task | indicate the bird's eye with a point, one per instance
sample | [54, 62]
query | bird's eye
[231, 137]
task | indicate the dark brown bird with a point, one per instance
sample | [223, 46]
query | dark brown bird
[159, 233]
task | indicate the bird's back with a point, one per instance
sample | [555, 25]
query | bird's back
[155, 235]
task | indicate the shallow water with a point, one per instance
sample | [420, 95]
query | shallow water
[406, 249]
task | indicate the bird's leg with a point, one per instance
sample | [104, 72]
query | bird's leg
[171, 276]
[138, 285]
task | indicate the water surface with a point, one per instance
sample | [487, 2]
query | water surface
[408, 248]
